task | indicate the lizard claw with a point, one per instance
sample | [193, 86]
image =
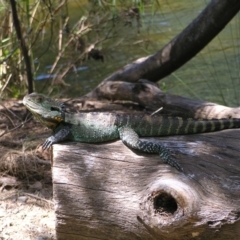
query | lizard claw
[170, 161]
[48, 143]
[166, 156]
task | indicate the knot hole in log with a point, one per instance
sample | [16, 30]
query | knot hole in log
[169, 203]
[164, 204]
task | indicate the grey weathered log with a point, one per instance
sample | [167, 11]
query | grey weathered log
[148, 96]
[107, 191]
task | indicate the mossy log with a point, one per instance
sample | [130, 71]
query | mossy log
[107, 191]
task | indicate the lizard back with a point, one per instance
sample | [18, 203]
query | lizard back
[104, 125]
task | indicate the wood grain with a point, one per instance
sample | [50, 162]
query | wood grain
[107, 191]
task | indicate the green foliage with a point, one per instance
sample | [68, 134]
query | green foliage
[64, 36]
[57, 36]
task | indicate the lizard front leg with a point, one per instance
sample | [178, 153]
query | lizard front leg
[131, 139]
[59, 136]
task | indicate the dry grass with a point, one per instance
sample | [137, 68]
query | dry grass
[26, 206]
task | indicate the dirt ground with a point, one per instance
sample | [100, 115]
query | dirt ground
[26, 204]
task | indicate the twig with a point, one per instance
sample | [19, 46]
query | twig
[20, 125]
[9, 55]
[22, 45]
[158, 110]
[6, 83]
[38, 160]
[38, 198]
[8, 110]
[10, 120]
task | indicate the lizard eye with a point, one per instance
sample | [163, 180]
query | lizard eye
[39, 99]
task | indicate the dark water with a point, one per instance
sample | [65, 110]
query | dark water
[213, 75]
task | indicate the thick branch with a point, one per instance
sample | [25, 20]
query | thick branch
[183, 47]
[148, 96]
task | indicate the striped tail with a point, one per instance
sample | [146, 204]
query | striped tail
[167, 125]
[191, 126]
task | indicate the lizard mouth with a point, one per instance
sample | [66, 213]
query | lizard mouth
[48, 122]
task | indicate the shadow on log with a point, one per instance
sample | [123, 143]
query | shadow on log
[107, 191]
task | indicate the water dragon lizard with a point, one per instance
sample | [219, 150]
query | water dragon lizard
[96, 127]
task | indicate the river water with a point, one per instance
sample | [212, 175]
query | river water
[213, 75]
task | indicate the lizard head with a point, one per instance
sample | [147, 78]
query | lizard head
[48, 111]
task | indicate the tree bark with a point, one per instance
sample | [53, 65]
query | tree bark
[107, 191]
[145, 95]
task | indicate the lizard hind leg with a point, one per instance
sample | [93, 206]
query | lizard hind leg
[131, 139]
